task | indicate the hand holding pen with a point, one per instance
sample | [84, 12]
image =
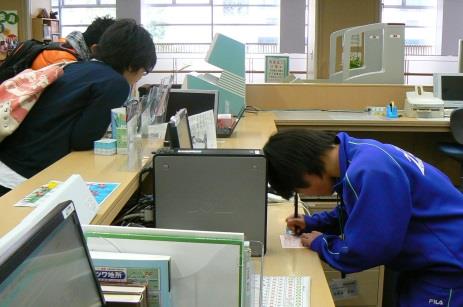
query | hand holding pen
[296, 204]
[295, 222]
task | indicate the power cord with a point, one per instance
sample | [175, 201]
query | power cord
[251, 109]
[139, 210]
[140, 179]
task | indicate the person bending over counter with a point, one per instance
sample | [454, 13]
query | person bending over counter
[395, 210]
[75, 110]
[80, 43]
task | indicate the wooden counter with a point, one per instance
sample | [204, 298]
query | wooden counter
[252, 132]
[294, 262]
[357, 121]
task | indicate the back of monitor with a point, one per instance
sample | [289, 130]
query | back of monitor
[212, 190]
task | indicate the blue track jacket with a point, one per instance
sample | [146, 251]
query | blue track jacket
[395, 210]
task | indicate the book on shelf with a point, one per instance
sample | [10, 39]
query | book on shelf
[125, 268]
[125, 294]
[124, 300]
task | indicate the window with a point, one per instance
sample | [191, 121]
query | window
[196, 21]
[184, 29]
[77, 15]
[420, 18]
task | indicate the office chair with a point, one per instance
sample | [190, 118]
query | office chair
[455, 150]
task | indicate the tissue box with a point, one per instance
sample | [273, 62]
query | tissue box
[105, 147]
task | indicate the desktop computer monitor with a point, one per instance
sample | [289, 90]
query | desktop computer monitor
[48, 263]
[448, 87]
[178, 131]
[195, 101]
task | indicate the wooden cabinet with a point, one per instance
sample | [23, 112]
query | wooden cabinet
[45, 29]
[369, 282]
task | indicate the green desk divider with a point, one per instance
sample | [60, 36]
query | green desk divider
[207, 268]
[229, 55]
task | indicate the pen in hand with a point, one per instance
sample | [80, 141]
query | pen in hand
[296, 214]
[295, 205]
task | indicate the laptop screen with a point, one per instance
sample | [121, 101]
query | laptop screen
[226, 131]
[51, 267]
[195, 101]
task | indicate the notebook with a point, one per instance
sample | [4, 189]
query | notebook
[225, 132]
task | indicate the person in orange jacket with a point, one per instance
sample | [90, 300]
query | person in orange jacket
[78, 43]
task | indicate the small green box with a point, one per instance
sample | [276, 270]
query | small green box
[276, 68]
[122, 141]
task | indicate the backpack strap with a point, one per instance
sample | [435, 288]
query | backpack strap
[62, 47]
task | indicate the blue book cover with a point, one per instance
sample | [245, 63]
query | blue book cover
[140, 268]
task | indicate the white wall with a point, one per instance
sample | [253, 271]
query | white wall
[37, 5]
[452, 26]
[128, 9]
[292, 26]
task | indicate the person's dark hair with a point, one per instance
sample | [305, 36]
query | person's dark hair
[96, 29]
[125, 45]
[292, 153]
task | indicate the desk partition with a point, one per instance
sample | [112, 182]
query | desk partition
[325, 96]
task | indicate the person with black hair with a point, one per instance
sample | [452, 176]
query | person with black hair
[75, 110]
[79, 45]
[395, 210]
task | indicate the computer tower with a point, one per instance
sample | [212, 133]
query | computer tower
[213, 190]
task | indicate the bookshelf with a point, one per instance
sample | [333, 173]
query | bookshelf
[45, 29]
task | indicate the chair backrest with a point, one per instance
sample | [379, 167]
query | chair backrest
[456, 125]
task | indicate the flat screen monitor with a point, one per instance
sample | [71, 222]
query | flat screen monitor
[49, 264]
[449, 88]
[179, 130]
[195, 101]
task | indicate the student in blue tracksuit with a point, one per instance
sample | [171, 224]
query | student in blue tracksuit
[396, 210]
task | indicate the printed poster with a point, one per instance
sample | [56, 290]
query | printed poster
[9, 21]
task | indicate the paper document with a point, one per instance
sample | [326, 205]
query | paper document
[285, 291]
[100, 190]
[32, 200]
[290, 241]
[202, 129]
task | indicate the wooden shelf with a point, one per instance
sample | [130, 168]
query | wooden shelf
[45, 29]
